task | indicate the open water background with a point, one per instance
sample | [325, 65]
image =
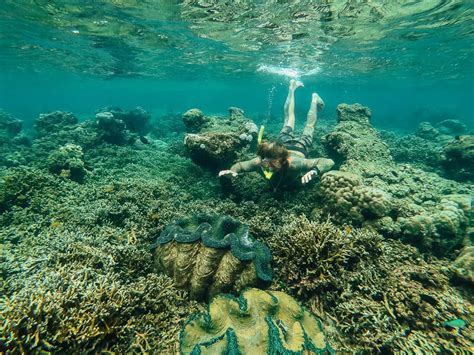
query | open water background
[410, 62]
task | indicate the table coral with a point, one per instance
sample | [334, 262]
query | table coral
[258, 322]
[211, 254]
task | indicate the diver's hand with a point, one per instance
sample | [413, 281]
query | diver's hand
[226, 172]
[308, 176]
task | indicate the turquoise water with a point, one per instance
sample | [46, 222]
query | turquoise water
[141, 213]
[399, 58]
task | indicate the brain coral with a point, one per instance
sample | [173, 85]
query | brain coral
[350, 200]
[208, 255]
[258, 322]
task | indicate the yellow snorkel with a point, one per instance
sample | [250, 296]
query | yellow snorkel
[267, 173]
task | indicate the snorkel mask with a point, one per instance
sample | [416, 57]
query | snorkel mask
[266, 172]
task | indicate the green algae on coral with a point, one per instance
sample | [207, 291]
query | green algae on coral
[258, 322]
[211, 254]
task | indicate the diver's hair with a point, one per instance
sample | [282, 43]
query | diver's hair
[275, 151]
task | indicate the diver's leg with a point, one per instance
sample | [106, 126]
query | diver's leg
[311, 118]
[289, 107]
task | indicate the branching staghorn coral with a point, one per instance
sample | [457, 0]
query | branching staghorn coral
[376, 291]
[72, 309]
[69, 291]
[322, 251]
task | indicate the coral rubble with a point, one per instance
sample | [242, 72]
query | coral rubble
[258, 322]
[208, 255]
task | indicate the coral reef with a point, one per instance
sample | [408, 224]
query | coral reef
[136, 120]
[423, 153]
[78, 254]
[459, 161]
[426, 148]
[378, 292]
[58, 128]
[54, 122]
[9, 126]
[397, 200]
[19, 186]
[354, 138]
[258, 322]
[464, 265]
[208, 255]
[217, 141]
[85, 291]
[194, 120]
[68, 161]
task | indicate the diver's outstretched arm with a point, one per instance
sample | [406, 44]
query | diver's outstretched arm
[313, 167]
[289, 107]
[242, 167]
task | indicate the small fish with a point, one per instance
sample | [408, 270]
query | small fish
[455, 323]
[348, 229]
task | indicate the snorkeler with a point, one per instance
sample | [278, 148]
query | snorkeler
[284, 162]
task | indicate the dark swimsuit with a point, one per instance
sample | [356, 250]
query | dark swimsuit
[291, 142]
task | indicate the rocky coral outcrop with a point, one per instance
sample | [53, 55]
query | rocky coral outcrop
[12, 141]
[136, 120]
[354, 138]
[351, 200]
[463, 266]
[120, 127]
[68, 162]
[53, 122]
[397, 200]
[112, 129]
[451, 127]
[215, 142]
[194, 120]
[208, 255]
[9, 126]
[459, 162]
[258, 322]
